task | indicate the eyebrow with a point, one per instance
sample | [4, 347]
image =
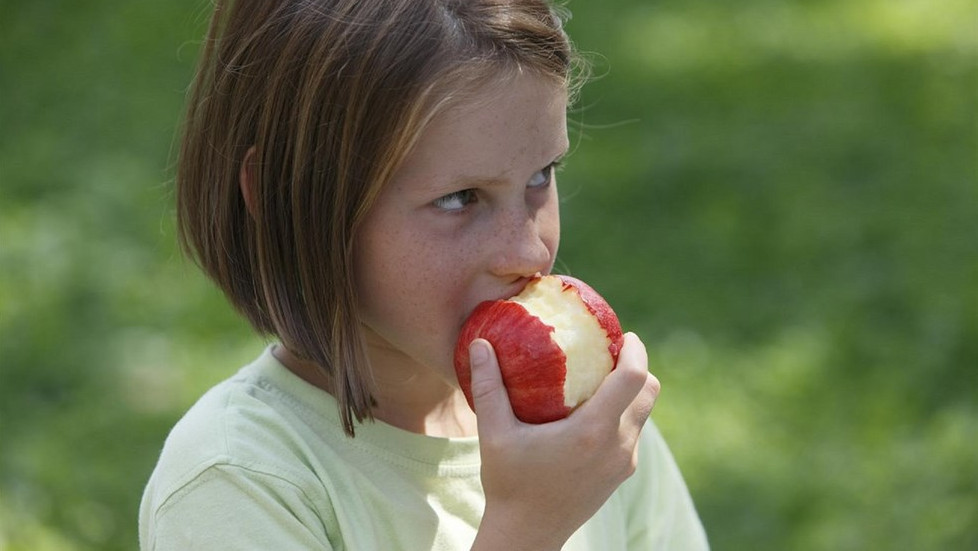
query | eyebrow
[466, 182]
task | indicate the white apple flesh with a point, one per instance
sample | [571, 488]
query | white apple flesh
[555, 342]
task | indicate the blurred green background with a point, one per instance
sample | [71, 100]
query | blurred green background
[780, 197]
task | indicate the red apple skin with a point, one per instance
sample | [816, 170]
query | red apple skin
[530, 362]
[601, 310]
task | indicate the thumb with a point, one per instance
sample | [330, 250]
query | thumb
[489, 398]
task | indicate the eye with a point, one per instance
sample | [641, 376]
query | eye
[543, 177]
[455, 201]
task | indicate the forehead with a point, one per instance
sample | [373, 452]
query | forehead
[497, 132]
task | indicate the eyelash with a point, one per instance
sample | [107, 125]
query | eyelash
[467, 196]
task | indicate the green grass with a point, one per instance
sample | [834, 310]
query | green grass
[781, 198]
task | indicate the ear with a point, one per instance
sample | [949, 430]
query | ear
[247, 179]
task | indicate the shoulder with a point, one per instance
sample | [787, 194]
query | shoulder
[225, 505]
[257, 420]
[240, 450]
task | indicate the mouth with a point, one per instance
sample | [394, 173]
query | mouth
[508, 292]
[517, 286]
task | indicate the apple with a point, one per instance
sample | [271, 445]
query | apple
[555, 342]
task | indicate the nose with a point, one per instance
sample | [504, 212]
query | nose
[526, 242]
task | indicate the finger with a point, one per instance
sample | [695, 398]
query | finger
[629, 379]
[489, 398]
[641, 407]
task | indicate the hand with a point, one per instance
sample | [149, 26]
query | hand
[542, 482]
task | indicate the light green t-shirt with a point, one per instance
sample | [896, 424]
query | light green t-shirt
[261, 462]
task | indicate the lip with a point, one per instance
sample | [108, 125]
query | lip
[508, 292]
[517, 287]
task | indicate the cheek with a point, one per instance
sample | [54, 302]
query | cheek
[404, 278]
[413, 300]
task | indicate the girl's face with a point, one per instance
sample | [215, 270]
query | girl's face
[470, 215]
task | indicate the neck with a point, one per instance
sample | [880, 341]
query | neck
[409, 397]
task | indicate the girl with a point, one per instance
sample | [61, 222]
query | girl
[357, 175]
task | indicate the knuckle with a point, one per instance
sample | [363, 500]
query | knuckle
[629, 455]
[622, 464]
[652, 384]
[483, 389]
[631, 466]
[636, 377]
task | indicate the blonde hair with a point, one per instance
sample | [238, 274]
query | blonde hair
[330, 95]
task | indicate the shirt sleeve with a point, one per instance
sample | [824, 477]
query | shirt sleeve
[233, 507]
[660, 510]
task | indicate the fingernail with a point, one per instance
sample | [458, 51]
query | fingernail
[478, 353]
